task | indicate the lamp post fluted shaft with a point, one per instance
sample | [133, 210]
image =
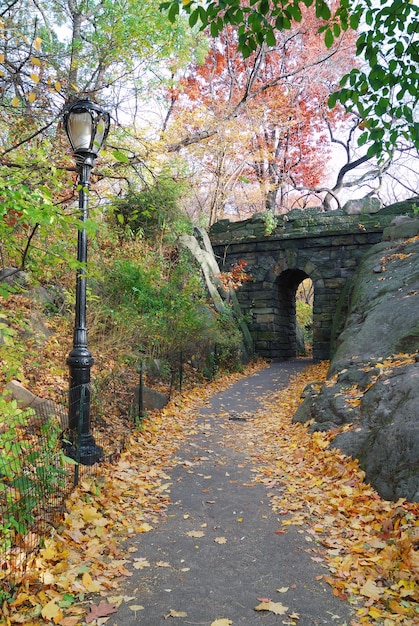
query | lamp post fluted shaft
[87, 126]
[80, 359]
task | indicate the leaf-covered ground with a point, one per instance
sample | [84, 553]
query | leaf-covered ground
[369, 543]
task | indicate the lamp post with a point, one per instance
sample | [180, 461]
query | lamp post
[87, 126]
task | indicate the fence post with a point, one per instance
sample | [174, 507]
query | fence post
[79, 431]
[141, 395]
[180, 371]
[215, 361]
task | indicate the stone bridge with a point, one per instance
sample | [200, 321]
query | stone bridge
[325, 247]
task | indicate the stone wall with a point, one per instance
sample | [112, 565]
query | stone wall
[326, 247]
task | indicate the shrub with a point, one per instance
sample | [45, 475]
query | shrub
[158, 301]
[155, 209]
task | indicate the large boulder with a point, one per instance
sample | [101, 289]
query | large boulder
[373, 380]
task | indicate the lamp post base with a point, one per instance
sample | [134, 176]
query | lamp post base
[86, 452]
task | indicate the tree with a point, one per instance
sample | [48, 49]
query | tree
[50, 53]
[383, 93]
[262, 119]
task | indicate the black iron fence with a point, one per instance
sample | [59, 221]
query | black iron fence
[36, 475]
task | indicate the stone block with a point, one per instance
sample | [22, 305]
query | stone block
[362, 206]
[23, 396]
[401, 229]
[152, 399]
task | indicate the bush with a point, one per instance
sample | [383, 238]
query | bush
[158, 301]
[155, 209]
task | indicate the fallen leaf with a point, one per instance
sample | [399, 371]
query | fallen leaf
[195, 533]
[136, 607]
[103, 609]
[69, 621]
[220, 540]
[89, 584]
[140, 563]
[370, 590]
[162, 564]
[273, 607]
[173, 613]
[283, 589]
[50, 611]
[222, 622]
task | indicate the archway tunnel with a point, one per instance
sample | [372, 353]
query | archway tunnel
[290, 336]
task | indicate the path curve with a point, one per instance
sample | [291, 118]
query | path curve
[220, 552]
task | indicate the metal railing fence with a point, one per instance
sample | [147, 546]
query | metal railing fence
[36, 476]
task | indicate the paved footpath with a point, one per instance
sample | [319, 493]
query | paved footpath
[218, 555]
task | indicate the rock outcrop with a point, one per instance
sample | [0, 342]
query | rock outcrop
[373, 381]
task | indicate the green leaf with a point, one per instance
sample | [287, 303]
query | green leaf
[214, 29]
[328, 38]
[173, 12]
[120, 156]
[193, 18]
[322, 10]
[270, 38]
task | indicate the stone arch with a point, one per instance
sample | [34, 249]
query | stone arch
[287, 284]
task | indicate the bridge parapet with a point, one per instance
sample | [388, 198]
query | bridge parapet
[305, 223]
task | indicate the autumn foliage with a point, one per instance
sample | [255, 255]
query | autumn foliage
[266, 117]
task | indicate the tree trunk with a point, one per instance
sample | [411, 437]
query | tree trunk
[224, 301]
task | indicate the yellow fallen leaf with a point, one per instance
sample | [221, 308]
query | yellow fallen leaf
[117, 600]
[50, 610]
[222, 622]
[195, 533]
[144, 528]
[49, 553]
[47, 578]
[283, 589]
[273, 607]
[90, 513]
[89, 584]
[136, 607]
[173, 613]
[220, 540]
[140, 563]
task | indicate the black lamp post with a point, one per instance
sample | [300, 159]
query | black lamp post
[87, 126]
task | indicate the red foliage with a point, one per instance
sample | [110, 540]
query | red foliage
[236, 277]
[279, 96]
